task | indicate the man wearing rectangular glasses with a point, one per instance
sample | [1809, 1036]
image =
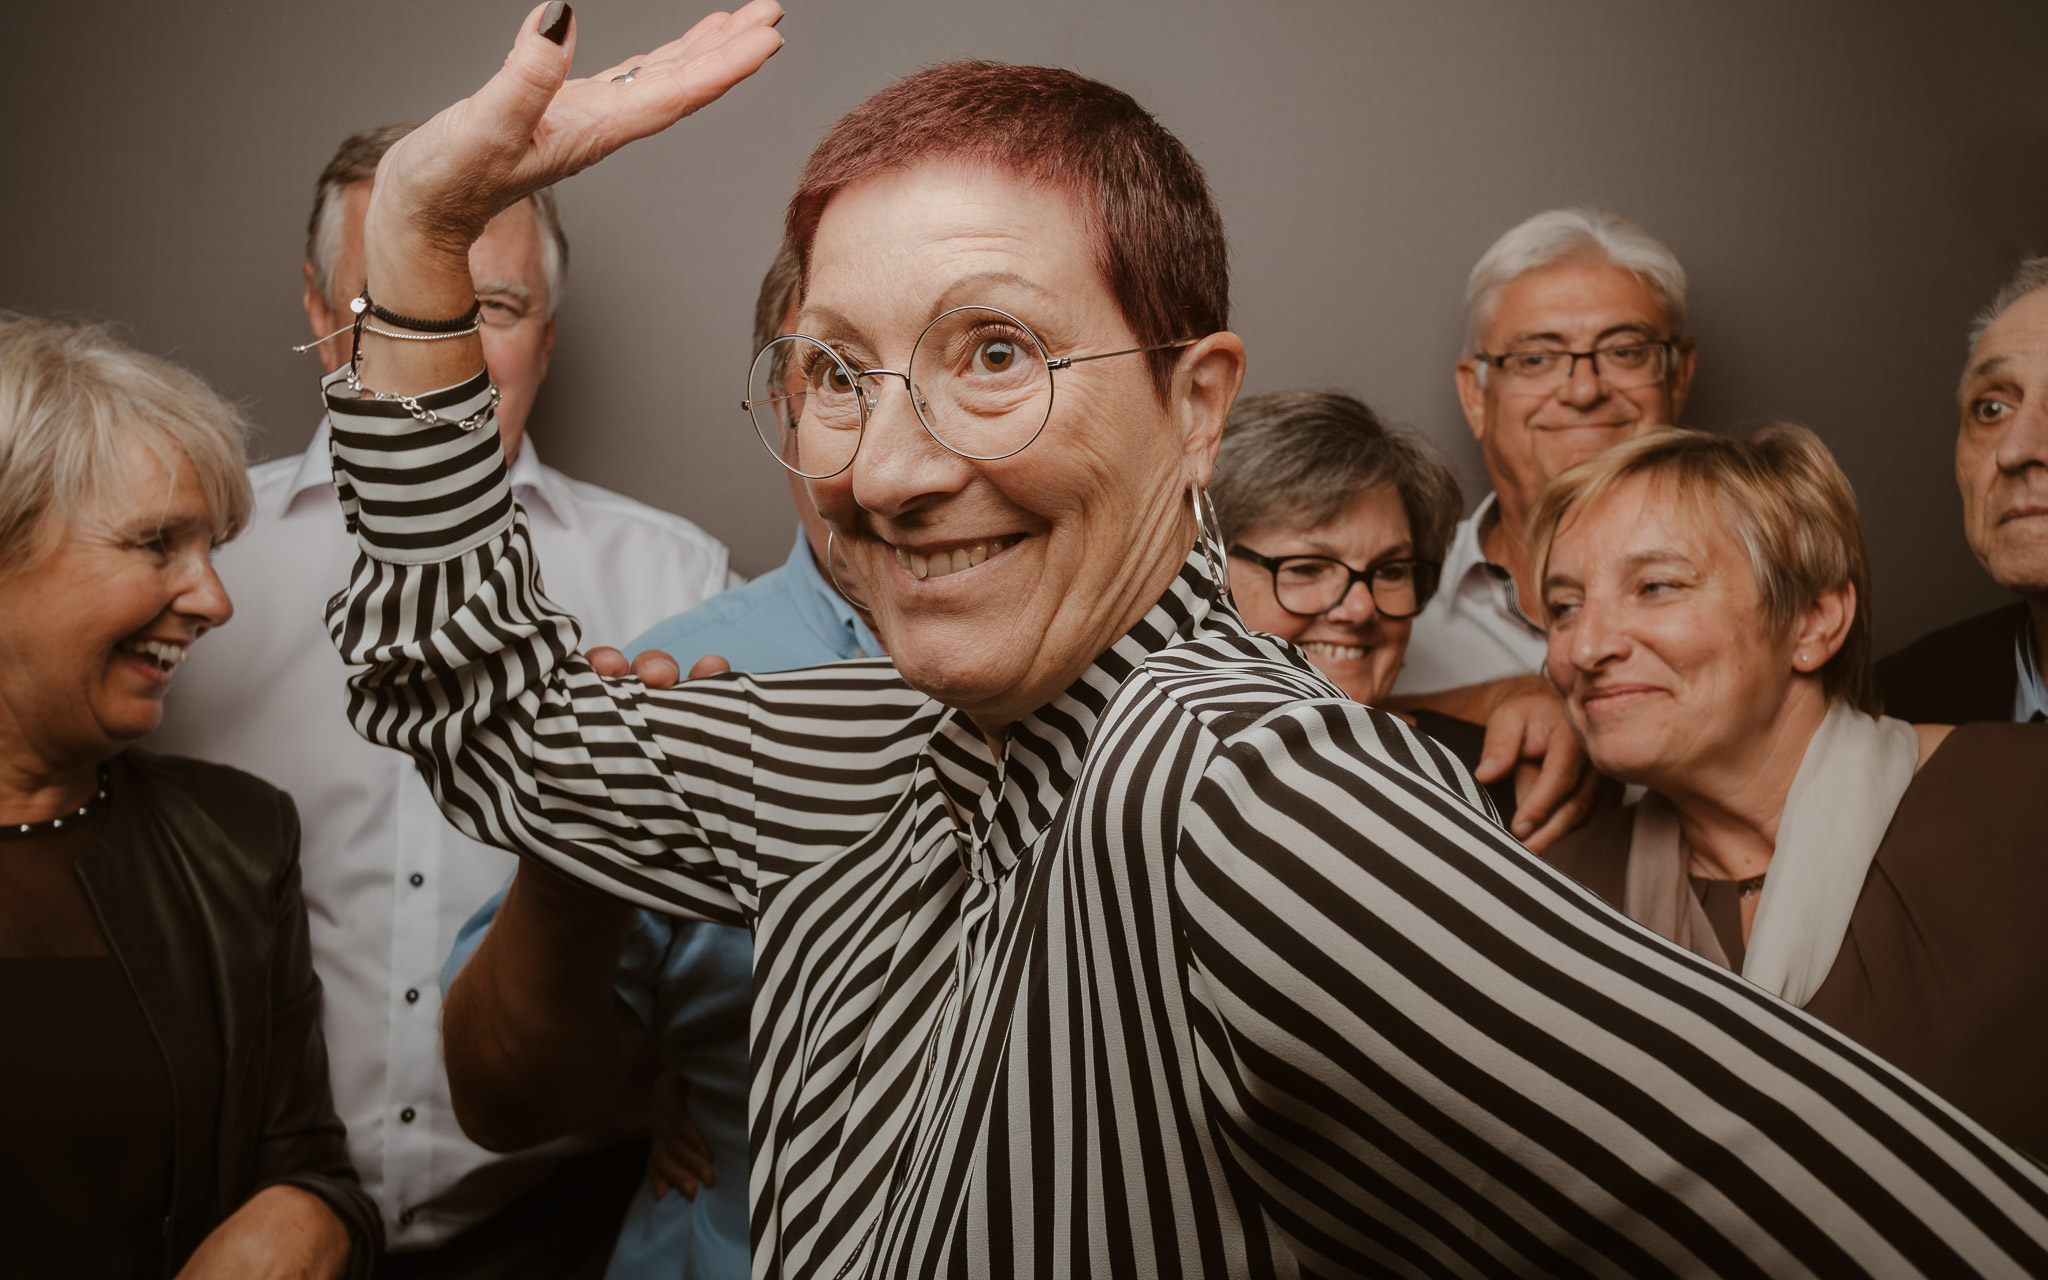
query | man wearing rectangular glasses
[1575, 341]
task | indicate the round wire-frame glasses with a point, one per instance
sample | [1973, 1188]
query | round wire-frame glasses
[978, 378]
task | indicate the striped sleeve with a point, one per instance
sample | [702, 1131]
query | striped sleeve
[1396, 1008]
[474, 673]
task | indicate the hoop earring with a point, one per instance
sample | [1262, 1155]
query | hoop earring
[830, 536]
[1209, 532]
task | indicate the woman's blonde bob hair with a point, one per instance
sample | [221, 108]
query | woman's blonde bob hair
[70, 395]
[1783, 498]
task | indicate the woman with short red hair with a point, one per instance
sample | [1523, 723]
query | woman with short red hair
[1098, 934]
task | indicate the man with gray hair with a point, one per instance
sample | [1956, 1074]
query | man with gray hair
[388, 882]
[1575, 341]
[1988, 668]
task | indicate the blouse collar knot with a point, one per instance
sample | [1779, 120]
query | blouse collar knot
[1007, 802]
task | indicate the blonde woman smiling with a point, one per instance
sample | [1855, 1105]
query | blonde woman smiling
[1709, 612]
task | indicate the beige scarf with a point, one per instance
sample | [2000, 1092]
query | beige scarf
[1850, 781]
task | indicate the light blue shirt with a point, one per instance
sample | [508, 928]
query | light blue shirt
[785, 619]
[692, 983]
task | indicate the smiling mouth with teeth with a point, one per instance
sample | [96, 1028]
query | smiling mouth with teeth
[940, 563]
[164, 655]
[1335, 652]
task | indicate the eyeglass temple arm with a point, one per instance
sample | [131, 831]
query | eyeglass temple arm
[1064, 361]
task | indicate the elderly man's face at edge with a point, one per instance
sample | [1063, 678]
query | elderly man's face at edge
[2002, 447]
[1529, 438]
[505, 262]
[1066, 543]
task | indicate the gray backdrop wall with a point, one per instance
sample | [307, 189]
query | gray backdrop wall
[1846, 183]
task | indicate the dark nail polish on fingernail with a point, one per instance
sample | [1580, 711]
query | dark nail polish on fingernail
[554, 24]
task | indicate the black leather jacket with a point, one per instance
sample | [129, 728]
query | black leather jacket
[201, 907]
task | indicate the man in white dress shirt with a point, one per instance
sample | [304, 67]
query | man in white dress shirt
[1575, 341]
[388, 883]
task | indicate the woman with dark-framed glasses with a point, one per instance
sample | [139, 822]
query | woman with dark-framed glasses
[1336, 529]
[1095, 936]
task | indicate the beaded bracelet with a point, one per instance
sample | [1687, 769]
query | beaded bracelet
[450, 328]
[363, 308]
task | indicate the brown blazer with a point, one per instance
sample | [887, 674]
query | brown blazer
[1944, 970]
[1961, 674]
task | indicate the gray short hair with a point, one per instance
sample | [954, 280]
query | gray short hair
[1295, 458]
[2030, 275]
[70, 394]
[1557, 234]
[356, 161]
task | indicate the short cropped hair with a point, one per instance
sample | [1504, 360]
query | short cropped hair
[1159, 241]
[2029, 276]
[70, 394]
[1786, 502]
[1293, 459]
[778, 289]
[1557, 234]
[356, 161]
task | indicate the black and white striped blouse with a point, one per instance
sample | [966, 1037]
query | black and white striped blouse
[1213, 972]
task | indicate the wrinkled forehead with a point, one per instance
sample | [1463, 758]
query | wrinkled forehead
[1653, 511]
[2015, 345]
[1578, 299]
[142, 481]
[894, 249]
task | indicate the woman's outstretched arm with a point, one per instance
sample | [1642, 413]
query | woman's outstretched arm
[1432, 1054]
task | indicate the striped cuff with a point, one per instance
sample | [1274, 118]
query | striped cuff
[415, 494]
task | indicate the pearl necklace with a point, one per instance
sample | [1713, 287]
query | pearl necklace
[36, 830]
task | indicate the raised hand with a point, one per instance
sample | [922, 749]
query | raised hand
[527, 127]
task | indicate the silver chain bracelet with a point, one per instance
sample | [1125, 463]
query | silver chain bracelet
[420, 412]
[422, 337]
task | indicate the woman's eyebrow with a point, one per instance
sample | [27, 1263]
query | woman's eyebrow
[1656, 556]
[146, 526]
[1328, 550]
[953, 294]
[815, 322]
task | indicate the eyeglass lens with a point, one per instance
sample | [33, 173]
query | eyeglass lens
[1310, 585]
[979, 380]
[1624, 364]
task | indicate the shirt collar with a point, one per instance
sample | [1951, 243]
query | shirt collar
[540, 489]
[837, 619]
[1468, 552]
[1008, 802]
[2031, 697]
[536, 487]
[1467, 568]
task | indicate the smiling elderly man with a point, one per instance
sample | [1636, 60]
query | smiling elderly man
[1988, 668]
[1575, 341]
